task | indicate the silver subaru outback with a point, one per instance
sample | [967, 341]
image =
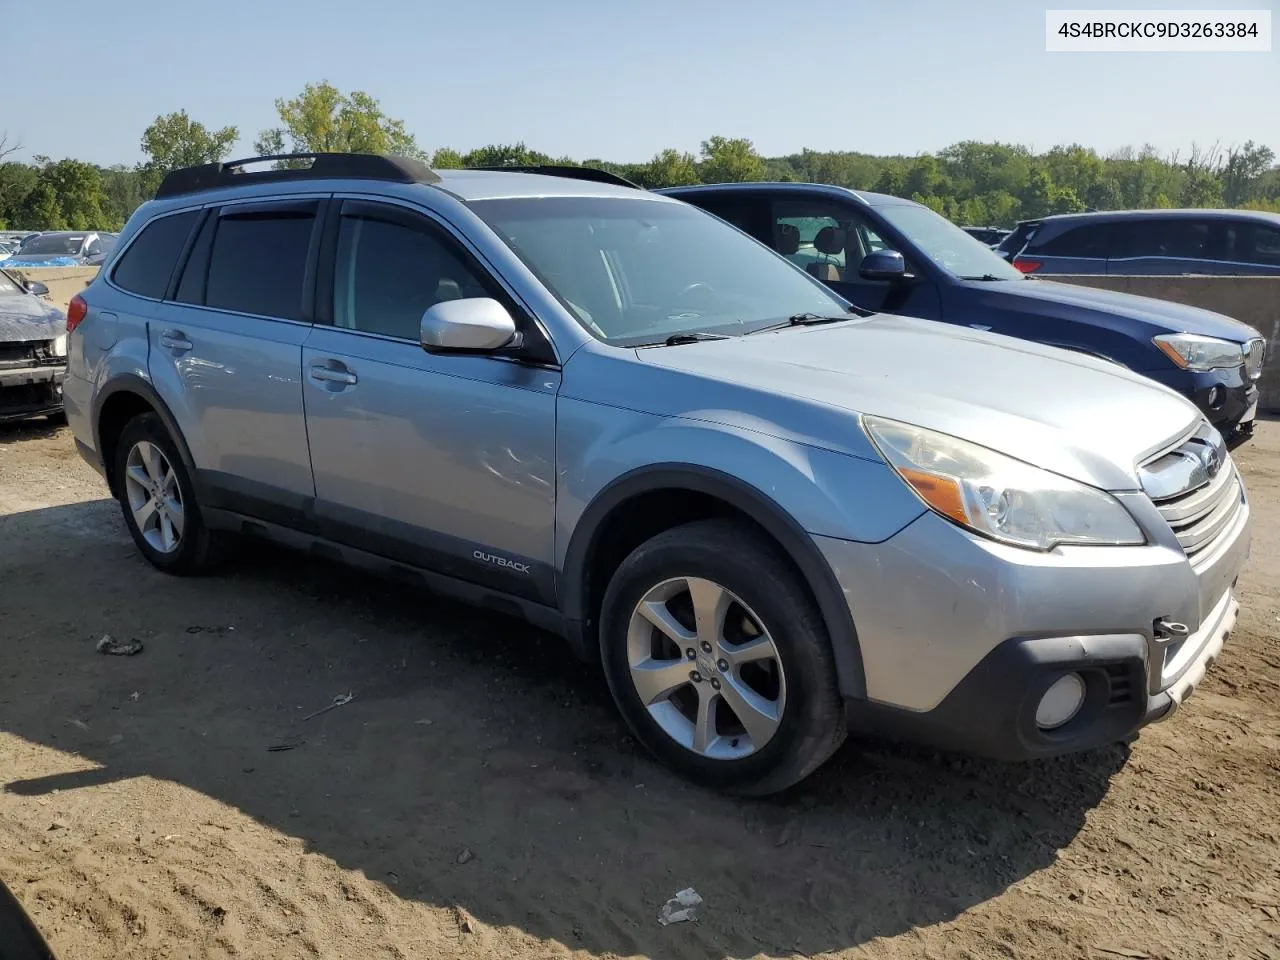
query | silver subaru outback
[771, 517]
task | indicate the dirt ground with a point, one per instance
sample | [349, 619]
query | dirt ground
[480, 798]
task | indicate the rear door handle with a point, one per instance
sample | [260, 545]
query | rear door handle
[175, 340]
[337, 374]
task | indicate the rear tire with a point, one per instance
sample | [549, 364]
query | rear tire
[159, 501]
[758, 711]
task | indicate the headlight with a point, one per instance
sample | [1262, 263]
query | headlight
[1191, 351]
[60, 346]
[997, 496]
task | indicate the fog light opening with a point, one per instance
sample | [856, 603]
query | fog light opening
[1217, 397]
[1061, 702]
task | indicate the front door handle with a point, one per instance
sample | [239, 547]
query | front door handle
[338, 375]
[176, 341]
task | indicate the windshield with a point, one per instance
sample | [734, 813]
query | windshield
[946, 244]
[7, 284]
[52, 244]
[640, 271]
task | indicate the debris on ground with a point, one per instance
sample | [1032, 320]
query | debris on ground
[216, 631]
[466, 923]
[282, 747]
[339, 701]
[1123, 952]
[466, 856]
[681, 907]
[59, 825]
[135, 696]
[112, 647]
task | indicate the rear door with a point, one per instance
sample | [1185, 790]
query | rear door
[1162, 246]
[226, 354]
[1246, 247]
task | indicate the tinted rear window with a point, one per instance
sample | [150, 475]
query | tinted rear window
[1015, 241]
[1087, 240]
[258, 263]
[148, 264]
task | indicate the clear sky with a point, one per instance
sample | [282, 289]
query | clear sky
[622, 79]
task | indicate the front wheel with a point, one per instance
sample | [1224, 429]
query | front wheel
[719, 661]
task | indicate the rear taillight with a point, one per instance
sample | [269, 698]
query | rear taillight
[1027, 266]
[77, 310]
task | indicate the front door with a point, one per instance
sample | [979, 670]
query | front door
[443, 462]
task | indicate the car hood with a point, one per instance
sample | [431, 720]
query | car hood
[1167, 316]
[1078, 416]
[24, 317]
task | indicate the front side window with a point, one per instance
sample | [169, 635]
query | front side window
[390, 271]
[945, 244]
[640, 270]
[258, 262]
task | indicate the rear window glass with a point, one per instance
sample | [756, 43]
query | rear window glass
[148, 264]
[258, 264]
[1021, 235]
[1088, 240]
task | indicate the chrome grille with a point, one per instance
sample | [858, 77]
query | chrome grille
[1255, 352]
[1196, 488]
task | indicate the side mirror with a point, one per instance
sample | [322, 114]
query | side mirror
[36, 288]
[883, 265]
[471, 325]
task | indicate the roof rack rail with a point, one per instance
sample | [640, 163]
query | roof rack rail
[567, 170]
[358, 166]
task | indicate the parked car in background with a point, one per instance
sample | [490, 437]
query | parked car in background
[769, 515]
[66, 248]
[1148, 243]
[33, 350]
[892, 255]
[988, 235]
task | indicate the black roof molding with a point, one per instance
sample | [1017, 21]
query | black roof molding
[324, 166]
[568, 171]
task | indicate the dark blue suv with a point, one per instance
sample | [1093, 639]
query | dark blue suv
[895, 256]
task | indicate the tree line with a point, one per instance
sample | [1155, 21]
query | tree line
[970, 182]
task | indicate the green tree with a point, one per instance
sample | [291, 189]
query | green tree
[1242, 173]
[446, 158]
[726, 160]
[322, 119]
[40, 209]
[123, 190]
[76, 188]
[504, 155]
[670, 168]
[17, 180]
[174, 141]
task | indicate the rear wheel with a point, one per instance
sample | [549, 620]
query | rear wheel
[719, 661]
[158, 499]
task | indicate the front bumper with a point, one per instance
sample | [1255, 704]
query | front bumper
[960, 636]
[1227, 398]
[31, 391]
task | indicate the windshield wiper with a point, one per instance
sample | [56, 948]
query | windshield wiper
[801, 320]
[985, 278]
[676, 339]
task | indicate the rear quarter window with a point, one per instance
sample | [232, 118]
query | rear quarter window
[146, 267]
[1086, 240]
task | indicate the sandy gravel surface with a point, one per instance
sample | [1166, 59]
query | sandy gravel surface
[479, 797]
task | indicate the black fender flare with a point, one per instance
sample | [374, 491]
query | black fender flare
[790, 536]
[132, 383]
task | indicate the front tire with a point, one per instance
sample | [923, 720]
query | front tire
[719, 660]
[159, 501]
